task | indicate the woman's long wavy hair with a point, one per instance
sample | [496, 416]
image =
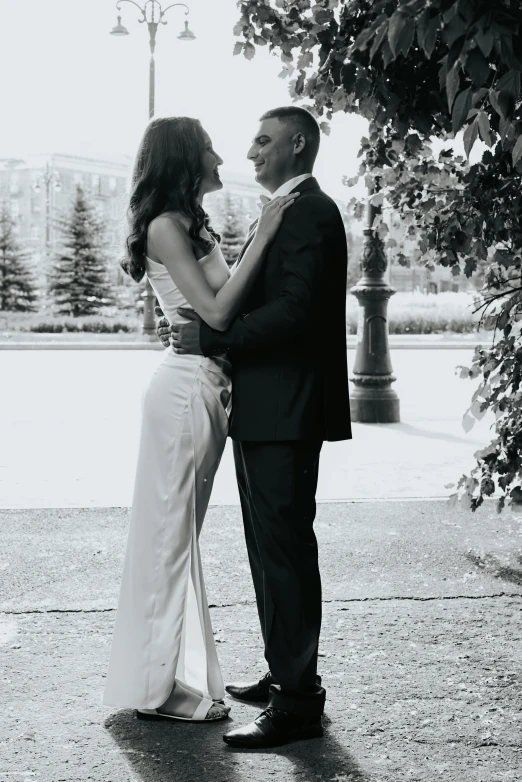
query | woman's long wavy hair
[167, 177]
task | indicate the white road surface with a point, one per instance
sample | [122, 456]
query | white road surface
[69, 425]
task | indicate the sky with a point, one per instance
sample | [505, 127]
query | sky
[68, 86]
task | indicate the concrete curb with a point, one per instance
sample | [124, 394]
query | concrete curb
[403, 344]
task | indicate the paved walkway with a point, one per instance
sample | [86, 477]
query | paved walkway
[420, 650]
[70, 424]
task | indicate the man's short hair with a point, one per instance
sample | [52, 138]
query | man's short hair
[302, 121]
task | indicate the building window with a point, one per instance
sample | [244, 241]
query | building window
[35, 232]
[15, 208]
[78, 179]
[113, 184]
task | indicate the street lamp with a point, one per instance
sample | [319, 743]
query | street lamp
[51, 181]
[373, 400]
[152, 14]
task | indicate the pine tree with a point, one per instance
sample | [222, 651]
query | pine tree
[80, 281]
[17, 287]
[233, 232]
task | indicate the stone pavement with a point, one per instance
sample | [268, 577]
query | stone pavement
[70, 423]
[420, 650]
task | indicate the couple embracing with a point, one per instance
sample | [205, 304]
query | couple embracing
[257, 353]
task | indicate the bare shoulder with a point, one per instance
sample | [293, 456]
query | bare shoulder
[168, 225]
[166, 236]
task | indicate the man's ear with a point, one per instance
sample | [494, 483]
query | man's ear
[299, 143]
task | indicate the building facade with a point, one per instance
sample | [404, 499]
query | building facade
[244, 192]
[41, 188]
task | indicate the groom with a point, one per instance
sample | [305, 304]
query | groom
[290, 393]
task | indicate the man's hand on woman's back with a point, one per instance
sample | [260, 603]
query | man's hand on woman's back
[163, 328]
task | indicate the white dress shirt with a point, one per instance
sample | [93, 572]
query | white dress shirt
[287, 187]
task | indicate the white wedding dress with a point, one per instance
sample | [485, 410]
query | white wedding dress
[162, 633]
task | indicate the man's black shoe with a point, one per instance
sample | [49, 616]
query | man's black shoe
[273, 728]
[257, 692]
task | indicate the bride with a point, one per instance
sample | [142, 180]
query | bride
[163, 660]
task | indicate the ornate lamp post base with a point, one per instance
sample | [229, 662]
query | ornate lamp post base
[149, 318]
[373, 401]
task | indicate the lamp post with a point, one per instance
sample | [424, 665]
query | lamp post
[51, 181]
[152, 14]
[373, 400]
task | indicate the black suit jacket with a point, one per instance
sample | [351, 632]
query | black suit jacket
[288, 353]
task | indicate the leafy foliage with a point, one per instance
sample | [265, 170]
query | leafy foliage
[80, 282]
[418, 69]
[17, 288]
[109, 321]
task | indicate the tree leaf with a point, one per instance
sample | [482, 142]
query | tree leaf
[477, 66]
[485, 40]
[509, 82]
[454, 29]
[304, 61]
[517, 151]
[348, 74]
[379, 38]
[455, 51]
[396, 24]
[406, 38]
[387, 54]
[413, 143]
[361, 42]
[504, 127]
[493, 99]
[250, 50]
[479, 95]
[468, 422]
[450, 13]
[452, 85]
[460, 109]
[238, 48]
[362, 87]
[325, 128]
[377, 199]
[422, 27]
[484, 128]
[431, 36]
[506, 102]
[470, 136]
[401, 30]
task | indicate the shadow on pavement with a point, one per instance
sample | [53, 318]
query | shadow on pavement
[498, 569]
[168, 751]
[416, 431]
[164, 752]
